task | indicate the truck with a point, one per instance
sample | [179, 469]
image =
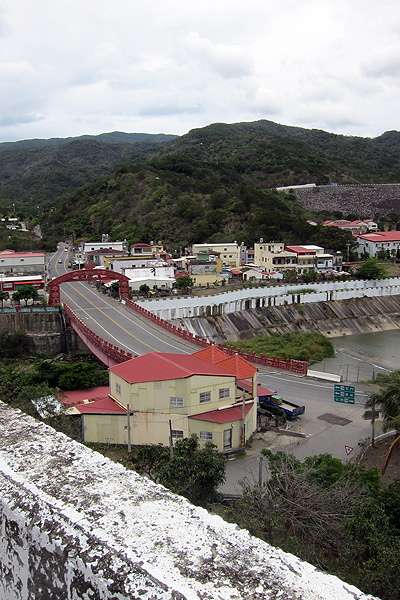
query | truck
[273, 401]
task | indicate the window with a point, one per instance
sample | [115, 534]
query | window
[205, 397]
[223, 393]
[206, 436]
[176, 434]
[248, 425]
[173, 401]
[118, 388]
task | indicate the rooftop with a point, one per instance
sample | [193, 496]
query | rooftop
[159, 366]
[224, 415]
[381, 236]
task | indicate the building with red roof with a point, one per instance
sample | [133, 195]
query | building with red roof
[166, 394]
[387, 242]
[21, 263]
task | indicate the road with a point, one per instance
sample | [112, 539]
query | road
[112, 320]
[328, 426]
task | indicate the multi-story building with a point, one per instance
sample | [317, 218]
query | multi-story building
[204, 272]
[272, 256]
[207, 393]
[231, 254]
[372, 243]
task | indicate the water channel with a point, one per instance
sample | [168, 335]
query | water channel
[361, 357]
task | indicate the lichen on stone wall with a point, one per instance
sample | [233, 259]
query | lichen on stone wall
[75, 526]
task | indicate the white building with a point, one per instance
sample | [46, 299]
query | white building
[104, 245]
[157, 274]
[372, 243]
[20, 263]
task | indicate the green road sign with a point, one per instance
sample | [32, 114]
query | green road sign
[344, 393]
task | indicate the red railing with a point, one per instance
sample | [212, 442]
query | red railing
[106, 347]
[295, 366]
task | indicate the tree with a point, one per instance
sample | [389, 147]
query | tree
[184, 282]
[25, 292]
[13, 344]
[193, 471]
[144, 289]
[371, 269]
[3, 296]
[388, 401]
[303, 507]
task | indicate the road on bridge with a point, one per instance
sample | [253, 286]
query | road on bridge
[111, 320]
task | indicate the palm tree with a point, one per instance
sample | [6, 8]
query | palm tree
[388, 401]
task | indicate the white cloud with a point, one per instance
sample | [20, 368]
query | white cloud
[382, 62]
[76, 66]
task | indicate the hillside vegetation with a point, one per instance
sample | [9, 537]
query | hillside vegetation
[181, 200]
[216, 182]
[36, 174]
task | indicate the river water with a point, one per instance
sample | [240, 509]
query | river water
[361, 357]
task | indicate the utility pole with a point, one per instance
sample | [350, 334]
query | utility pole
[373, 425]
[243, 420]
[129, 429]
[171, 445]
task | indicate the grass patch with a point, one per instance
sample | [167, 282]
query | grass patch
[311, 347]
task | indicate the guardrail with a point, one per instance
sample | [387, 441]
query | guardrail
[185, 335]
[295, 366]
[113, 351]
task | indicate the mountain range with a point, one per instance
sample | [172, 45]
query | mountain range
[215, 181]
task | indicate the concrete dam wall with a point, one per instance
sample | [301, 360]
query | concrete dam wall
[333, 319]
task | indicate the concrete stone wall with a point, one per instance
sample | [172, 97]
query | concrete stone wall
[46, 332]
[333, 319]
[75, 526]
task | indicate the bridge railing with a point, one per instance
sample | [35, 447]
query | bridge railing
[295, 366]
[113, 351]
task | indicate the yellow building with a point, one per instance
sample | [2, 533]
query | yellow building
[177, 395]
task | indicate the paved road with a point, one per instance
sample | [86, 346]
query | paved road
[329, 427]
[112, 320]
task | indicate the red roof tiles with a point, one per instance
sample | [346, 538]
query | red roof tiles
[159, 366]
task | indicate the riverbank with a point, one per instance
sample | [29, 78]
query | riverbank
[333, 319]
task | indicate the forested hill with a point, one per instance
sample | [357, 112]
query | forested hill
[212, 183]
[269, 154]
[38, 173]
[181, 200]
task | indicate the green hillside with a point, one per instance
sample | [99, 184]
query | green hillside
[216, 182]
[36, 174]
[181, 200]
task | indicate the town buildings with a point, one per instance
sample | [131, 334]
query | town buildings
[231, 254]
[275, 256]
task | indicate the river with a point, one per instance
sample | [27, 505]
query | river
[361, 357]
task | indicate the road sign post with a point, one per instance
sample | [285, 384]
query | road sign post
[345, 394]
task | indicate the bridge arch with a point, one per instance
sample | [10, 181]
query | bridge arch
[87, 274]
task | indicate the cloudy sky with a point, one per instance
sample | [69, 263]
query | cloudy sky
[73, 67]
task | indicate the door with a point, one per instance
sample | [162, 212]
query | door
[227, 439]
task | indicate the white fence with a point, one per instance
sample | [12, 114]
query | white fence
[239, 300]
